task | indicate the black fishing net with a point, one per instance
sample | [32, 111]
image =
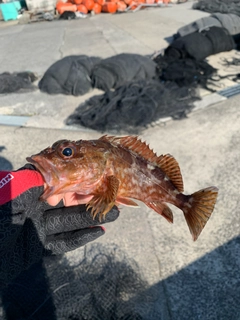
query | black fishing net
[67, 15]
[105, 284]
[222, 6]
[145, 89]
[117, 70]
[199, 45]
[133, 106]
[17, 82]
[235, 61]
[168, 85]
[184, 72]
[70, 75]
[76, 75]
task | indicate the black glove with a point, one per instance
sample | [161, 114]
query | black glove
[31, 229]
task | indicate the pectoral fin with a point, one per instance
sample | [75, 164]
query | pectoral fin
[103, 201]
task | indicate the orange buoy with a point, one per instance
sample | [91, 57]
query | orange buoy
[121, 6]
[110, 7]
[78, 1]
[97, 8]
[133, 4]
[81, 8]
[101, 2]
[88, 4]
[59, 4]
[61, 7]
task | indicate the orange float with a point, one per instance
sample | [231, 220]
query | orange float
[121, 6]
[88, 4]
[101, 2]
[110, 7]
[81, 8]
[97, 8]
[61, 7]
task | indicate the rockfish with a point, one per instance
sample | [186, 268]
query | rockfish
[116, 170]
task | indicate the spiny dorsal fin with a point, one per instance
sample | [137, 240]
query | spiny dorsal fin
[170, 166]
[134, 144]
[166, 162]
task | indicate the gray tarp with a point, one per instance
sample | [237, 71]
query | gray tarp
[231, 22]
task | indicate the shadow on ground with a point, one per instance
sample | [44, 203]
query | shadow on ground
[4, 163]
[209, 288]
[106, 284]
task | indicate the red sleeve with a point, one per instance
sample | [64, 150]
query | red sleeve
[13, 183]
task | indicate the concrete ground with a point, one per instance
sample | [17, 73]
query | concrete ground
[191, 280]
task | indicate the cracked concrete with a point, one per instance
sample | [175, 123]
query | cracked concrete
[62, 44]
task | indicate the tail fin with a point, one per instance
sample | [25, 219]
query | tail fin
[199, 208]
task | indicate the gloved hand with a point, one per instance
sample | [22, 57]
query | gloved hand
[31, 229]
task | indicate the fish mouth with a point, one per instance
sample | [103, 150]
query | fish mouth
[43, 167]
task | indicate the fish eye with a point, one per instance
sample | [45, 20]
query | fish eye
[68, 152]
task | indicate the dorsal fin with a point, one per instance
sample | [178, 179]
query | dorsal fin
[170, 166]
[134, 144]
[166, 162]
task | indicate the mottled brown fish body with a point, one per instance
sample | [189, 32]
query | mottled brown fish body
[115, 170]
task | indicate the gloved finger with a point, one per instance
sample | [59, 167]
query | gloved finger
[69, 199]
[68, 241]
[73, 218]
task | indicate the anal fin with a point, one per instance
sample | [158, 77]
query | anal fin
[161, 209]
[127, 202]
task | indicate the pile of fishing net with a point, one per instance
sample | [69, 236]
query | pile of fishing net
[103, 284]
[200, 45]
[113, 72]
[223, 6]
[76, 75]
[185, 73]
[139, 90]
[133, 106]
[17, 82]
[70, 76]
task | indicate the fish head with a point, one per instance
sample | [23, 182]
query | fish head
[62, 165]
